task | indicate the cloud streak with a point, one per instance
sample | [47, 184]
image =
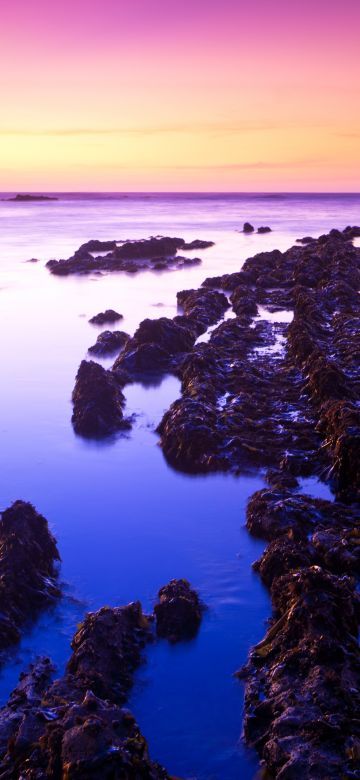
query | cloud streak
[226, 128]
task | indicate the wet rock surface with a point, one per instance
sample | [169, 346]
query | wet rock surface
[155, 346]
[108, 342]
[302, 680]
[263, 392]
[105, 317]
[28, 569]
[76, 727]
[178, 612]
[98, 402]
[155, 253]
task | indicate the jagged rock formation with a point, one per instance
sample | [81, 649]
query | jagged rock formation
[156, 253]
[28, 572]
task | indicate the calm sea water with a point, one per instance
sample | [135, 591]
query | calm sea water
[125, 522]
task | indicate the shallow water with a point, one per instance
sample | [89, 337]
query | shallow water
[125, 522]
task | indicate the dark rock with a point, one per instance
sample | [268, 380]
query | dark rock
[140, 359]
[184, 261]
[189, 436]
[155, 253]
[109, 341]
[151, 247]
[244, 301]
[264, 229]
[106, 316]
[27, 198]
[28, 573]
[94, 245]
[76, 728]
[302, 679]
[154, 346]
[248, 228]
[205, 307]
[178, 613]
[165, 333]
[305, 240]
[98, 402]
[198, 244]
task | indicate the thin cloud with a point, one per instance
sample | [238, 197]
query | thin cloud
[238, 166]
[233, 128]
[355, 134]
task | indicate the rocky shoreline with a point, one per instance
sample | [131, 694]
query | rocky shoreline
[276, 387]
[76, 727]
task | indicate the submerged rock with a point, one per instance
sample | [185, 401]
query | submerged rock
[105, 317]
[98, 402]
[178, 612]
[109, 341]
[28, 573]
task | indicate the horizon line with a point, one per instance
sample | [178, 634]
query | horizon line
[178, 192]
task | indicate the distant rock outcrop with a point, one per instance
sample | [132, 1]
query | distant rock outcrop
[155, 253]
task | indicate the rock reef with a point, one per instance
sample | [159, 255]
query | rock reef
[98, 402]
[303, 680]
[28, 569]
[156, 253]
[76, 727]
[262, 392]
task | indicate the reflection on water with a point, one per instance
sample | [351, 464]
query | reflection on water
[125, 522]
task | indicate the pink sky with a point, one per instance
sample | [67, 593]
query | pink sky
[155, 95]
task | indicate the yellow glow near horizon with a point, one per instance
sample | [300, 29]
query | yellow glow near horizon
[87, 105]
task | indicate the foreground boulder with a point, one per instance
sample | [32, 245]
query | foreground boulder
[76, 728]
[178, 612]
[98, 402]
[28, 573]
